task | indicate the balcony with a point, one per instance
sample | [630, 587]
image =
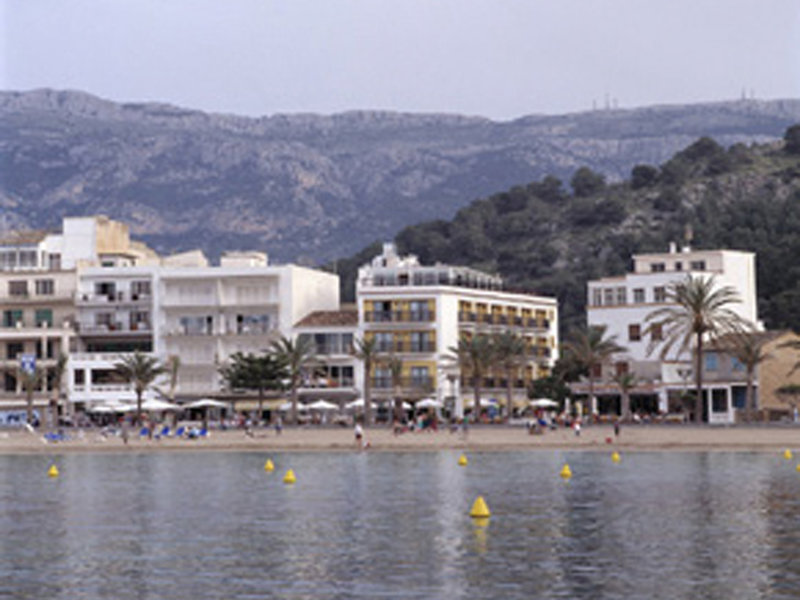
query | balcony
[406, 384]
[112, 299]
[114, 328]
[327, 383]
[413, 316]
[333, 349]
[407, 347]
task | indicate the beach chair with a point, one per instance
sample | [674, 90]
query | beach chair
[203, 433]
[165, 431]
[180, 431]
[144, 432]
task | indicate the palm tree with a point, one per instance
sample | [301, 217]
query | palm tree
[625, 382]
[795, 344]
[295, 357]
[591, 348]
[700, 313]
[749, 350]
[366, 350]
[395, 366]
[252, 372]
[475, 355]
[139, 370]
[57, 375]
[510, 353]
[30, 381]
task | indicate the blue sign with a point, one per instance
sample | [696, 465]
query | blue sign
[27, 362]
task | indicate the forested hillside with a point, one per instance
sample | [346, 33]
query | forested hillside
[550, 238]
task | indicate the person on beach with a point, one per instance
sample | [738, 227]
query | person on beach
[278, 425]
[577, 427]
[616, 428]
[358, 431]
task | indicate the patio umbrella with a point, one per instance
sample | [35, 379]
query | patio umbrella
[205, 404]
[543, 403]
[359, 404]
[154, 405]
[323, 405]
[429, 403]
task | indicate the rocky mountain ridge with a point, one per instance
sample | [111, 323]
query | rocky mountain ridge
[309, 187]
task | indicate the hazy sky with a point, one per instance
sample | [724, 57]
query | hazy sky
[497, 58]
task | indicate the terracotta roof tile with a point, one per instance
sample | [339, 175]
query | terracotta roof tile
[22, 238]
[330, 318]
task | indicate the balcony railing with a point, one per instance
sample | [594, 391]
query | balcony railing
[329, 383]
[328, 349]
[391, 316]
[422, 384]
[114, 328]
[506, 320]
[112, 298]
[407, 347]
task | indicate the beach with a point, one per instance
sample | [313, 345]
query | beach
[483, 438]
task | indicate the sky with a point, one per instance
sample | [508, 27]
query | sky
[495, 58]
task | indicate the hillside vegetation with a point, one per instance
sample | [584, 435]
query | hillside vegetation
[550, 239]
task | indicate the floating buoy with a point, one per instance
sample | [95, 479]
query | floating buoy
[479, 509]
[52, 471]
[615, 457]
[462, 461]
[268, 466]
[566, 472]
[787, 454]
[289, 477]
[798, 467]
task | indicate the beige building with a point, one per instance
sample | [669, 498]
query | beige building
[725, 378]
[418, 313]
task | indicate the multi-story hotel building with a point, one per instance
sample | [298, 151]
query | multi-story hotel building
[622, 305]
[418, 313]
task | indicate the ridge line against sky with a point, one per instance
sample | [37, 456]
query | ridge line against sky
[500, 59]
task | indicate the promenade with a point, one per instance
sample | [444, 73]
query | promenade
[486, 438]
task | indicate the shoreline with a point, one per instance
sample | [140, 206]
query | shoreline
[497, 438]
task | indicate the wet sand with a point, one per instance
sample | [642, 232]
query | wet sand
[486, 438]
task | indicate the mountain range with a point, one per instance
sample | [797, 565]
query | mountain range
[310, 188]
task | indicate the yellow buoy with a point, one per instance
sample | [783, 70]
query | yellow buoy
[566, 472]
[787, 454]
[615, 457]
[268, 466]
[289, 477]
[52, 471]
[798, 467]
[479, 509]
[462, 461]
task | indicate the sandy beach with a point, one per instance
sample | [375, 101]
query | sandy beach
[490, 438]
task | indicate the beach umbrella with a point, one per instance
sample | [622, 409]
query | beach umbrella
[429, 403]
[322, 405]
[154, 405]
[206, 403]
[543, 403]
[288, 406]
[359, 404]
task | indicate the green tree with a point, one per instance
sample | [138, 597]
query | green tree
[395, 366]
[586, 182]
[474, 355]
[748, 349]
[643, 176]
[591, 348]
[139, 370]
[253, 372]
[510, 353]
[699, 312]
[366, 350]
[296, 358]
[791, 139]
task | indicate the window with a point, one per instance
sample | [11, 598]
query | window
[597, 297]
[12, 317]
[719, 401]
[27, 258]
[140, 288]
[656, 333]
[634, 332]
[597, 371]
[736, 364]
[106, 288]
[250, 324]
[383, 341]
[659, 294]
[621, 368]
[419, 376]
[697, 265]
[678, 266]
[17, 288]
[54, 262]
[8, 260]
[608, 297]
[638, 296]
[420, 342]
[657, 267]
[14, 349]
[622, 297]
[43, 316]
[45, 287]
[711, 361]
[199, 325]
[10, 382]
[419, 310]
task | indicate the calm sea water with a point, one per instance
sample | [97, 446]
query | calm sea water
[376, 525]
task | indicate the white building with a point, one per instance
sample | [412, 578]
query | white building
[622, 305]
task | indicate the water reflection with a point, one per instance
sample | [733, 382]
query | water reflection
[657, 525]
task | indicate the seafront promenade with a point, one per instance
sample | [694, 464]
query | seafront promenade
[486, 438]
